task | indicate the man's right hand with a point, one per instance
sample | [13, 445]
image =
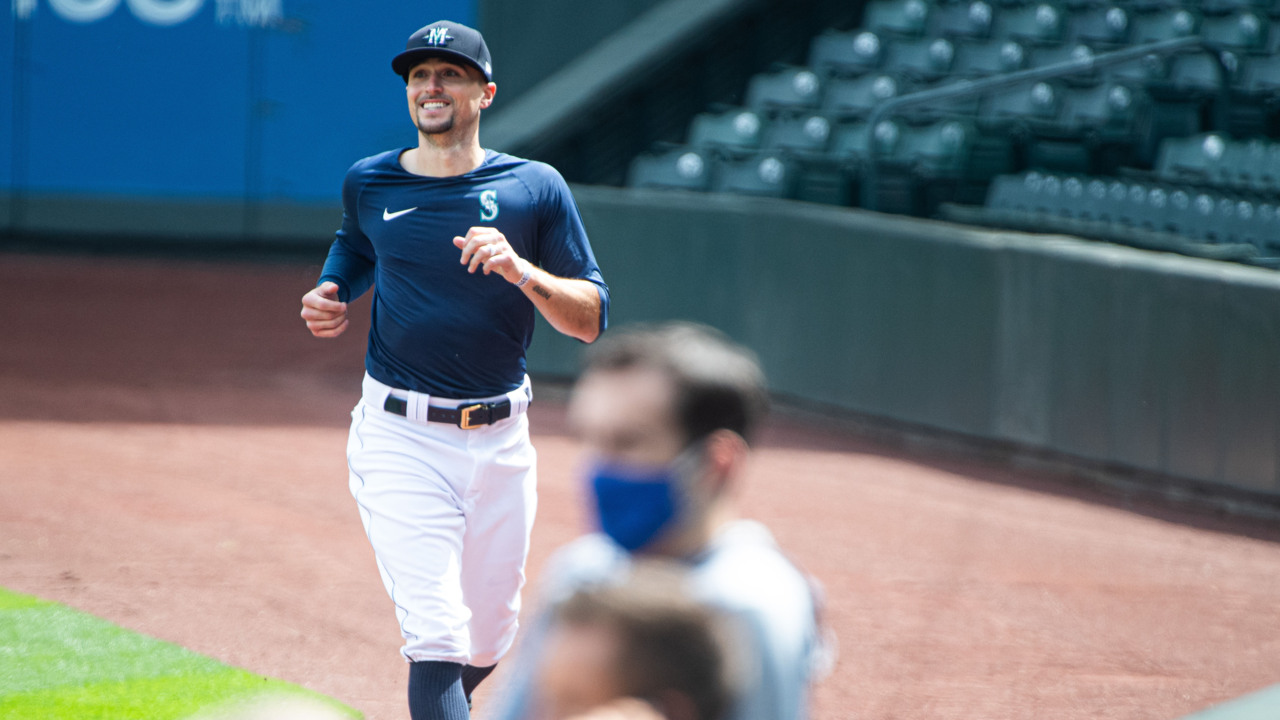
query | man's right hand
[326, 316]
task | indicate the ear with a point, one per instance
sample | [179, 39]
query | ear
[487, 99]
[725, 454]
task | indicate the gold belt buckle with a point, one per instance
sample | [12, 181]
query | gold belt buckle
[464, 421]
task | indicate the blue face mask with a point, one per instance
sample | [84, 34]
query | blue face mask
[634, 505]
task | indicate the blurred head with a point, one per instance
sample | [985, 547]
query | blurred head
[664, 414]
[644, 639]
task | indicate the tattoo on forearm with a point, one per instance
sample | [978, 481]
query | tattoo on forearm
[545, 293]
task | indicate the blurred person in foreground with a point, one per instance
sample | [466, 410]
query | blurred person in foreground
[664, 415]
[639, 650]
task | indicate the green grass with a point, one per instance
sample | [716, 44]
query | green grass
[58, 663]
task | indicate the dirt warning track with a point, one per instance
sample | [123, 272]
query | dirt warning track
[171, 459]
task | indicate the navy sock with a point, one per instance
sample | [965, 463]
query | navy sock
[435, 691]
[472, 676]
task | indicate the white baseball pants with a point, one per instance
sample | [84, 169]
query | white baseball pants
[448, 512]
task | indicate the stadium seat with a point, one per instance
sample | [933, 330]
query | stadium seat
[1035, 192]
[1035, 23]
[937, 150]
[679, 168]
[1188, 97]
[924, 60]
[1212, 160]
[1153, 215]
[1259, 75]
[961, 20]
[1198, 159]
[976, 59]
[795, 89]
[1226, 7]
[1045, 55]
[1101, 27]
[735, 132]
[1107, 109]
[767, 174]
[1098, 129]
[904, 18]
[851, 144]
[806, 136]
[1255, 102]
[1164, 24]
[1193, 74]
[1244, 31]
[857, 97]
[1030, 107]
[845, 54]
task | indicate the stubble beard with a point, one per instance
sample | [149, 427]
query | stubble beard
[437, 127]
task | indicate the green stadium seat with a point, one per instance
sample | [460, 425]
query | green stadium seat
[806, 136]
[1100, 27]
[1243, 31]
[795, 89]
[1259, 76]
[1197, 74]
[924, 60]
[735, 132]
[1212, 160]
[977, 59]
[1031, 107]
[1035, 23]
[851, 144]
[1046, 55]
[847, 99]
[961, 20]
[1163, 24]
[1036, 193]
[1226, 7]
[1197, 159]
[1111, 110]
[1098, 199]
[904, 18]
[845, 53]
[679, 168]
[938, 150]
[1155, 216]
[767, 174]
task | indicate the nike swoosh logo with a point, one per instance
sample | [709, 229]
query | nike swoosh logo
[388, 215]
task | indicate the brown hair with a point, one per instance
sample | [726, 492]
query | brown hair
[674, 653]
[719, 384]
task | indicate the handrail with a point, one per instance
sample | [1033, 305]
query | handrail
[965, 88]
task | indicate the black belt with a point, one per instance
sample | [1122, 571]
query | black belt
[467, 417]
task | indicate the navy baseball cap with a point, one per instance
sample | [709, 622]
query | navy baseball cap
[444, 39]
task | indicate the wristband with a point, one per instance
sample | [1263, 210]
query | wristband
[524, 279]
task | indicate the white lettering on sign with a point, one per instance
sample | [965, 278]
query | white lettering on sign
[84, 11]
[165, 12]
[259, 13]
[162, 13]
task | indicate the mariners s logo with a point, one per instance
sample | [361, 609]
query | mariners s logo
[489, 205]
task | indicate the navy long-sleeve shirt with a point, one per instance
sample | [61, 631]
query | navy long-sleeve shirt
[436, 328]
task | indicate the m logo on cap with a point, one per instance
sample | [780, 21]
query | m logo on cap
[437, 36]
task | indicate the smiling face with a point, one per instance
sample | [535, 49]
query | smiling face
[446, 97]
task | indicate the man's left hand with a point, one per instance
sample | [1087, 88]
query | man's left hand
[487, 249]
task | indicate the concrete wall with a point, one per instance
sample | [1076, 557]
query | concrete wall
[1154, 361]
